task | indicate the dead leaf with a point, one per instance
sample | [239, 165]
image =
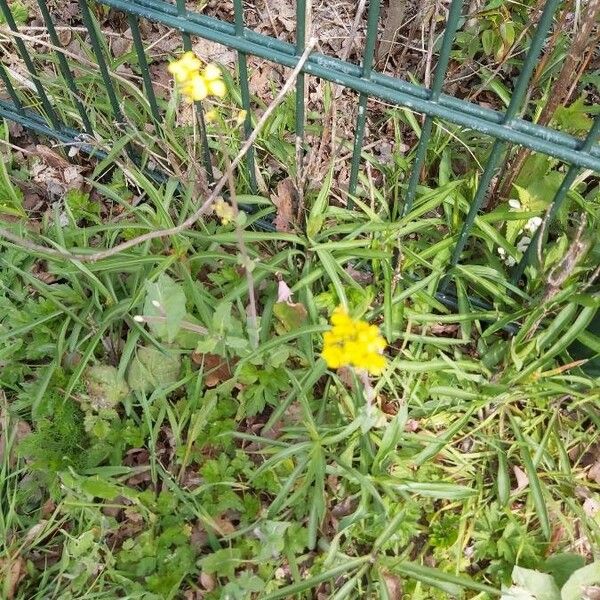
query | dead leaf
[216, 368]
[393, 585]
[208, 581]
[591, 507]
[594, 472]
[17, 431]
[522, 479]
[284, 200]
[51, 158]
[591, 592]
[12, 572]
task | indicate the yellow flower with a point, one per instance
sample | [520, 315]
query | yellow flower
[196, 85]
[211, 116]
[195, 88]
[353, 343]
[184, 68]
[223, 210]
[241, 117]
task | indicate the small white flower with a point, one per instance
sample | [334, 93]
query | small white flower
[523, 243]
[514, 204]
[506, 258]
[510, 261]
[501, 252]
[533, 224]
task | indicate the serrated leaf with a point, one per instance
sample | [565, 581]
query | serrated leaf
[165, 300]
[104, 386]
[152, 369]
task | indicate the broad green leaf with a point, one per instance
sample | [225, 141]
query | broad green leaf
[104, 386]
[165, 302]
[541, 585]
[292, 316]
[152, 369]
[586, 576]
[562, 566]
[100, 488]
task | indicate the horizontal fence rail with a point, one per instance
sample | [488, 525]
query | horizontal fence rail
[504, 127]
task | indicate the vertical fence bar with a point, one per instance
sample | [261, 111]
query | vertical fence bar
[11, 90]
[238, 10]
[436, 90]
[498, 147]
[300, 80]
[46, 104]
[206, 157]
[64, 67]
[88, 21]
[557, 202]
[367, 67]
[143, 63]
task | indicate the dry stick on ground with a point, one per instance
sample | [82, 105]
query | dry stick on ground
[160, 233]
[559, 94]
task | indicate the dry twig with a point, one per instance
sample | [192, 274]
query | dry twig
[160, 233]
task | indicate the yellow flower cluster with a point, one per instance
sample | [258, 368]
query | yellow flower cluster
[195, 84]
[353, 343]
[223, 210]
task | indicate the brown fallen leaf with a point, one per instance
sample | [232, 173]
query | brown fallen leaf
[393, 585]
[12, 572]
[522, 479]
[284, 200]
[216, 368]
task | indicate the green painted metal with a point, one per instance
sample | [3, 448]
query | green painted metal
[300, 82]
[182, 13]
[64, 67]
[361, 117]
[436, 90]
[46, 104]
[16, 101]
[529, 257]
[238, 9]
[498, 149]
[390, 89]
[143, 63]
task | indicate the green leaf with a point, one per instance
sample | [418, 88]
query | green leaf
[562, 566]
[576, 584]
[291, 316]
[507, 32]
[165, 301]
[152, 369]
[541, 585]
[487, 39]
[573, 118]
[100, 488]
[105, 387]
[222, 562]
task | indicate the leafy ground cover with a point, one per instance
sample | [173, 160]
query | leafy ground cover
[170, 430]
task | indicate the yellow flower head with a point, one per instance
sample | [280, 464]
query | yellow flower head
[194, 84]
[223, 210]
[353, 343]
[184, 68]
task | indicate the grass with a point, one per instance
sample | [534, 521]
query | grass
[156, 452]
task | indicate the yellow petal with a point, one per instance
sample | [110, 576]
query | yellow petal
[212, 72]
[217, 88]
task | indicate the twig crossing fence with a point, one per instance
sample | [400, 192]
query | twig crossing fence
[33, 107]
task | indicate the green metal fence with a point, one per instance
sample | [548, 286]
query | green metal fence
[505, 127]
